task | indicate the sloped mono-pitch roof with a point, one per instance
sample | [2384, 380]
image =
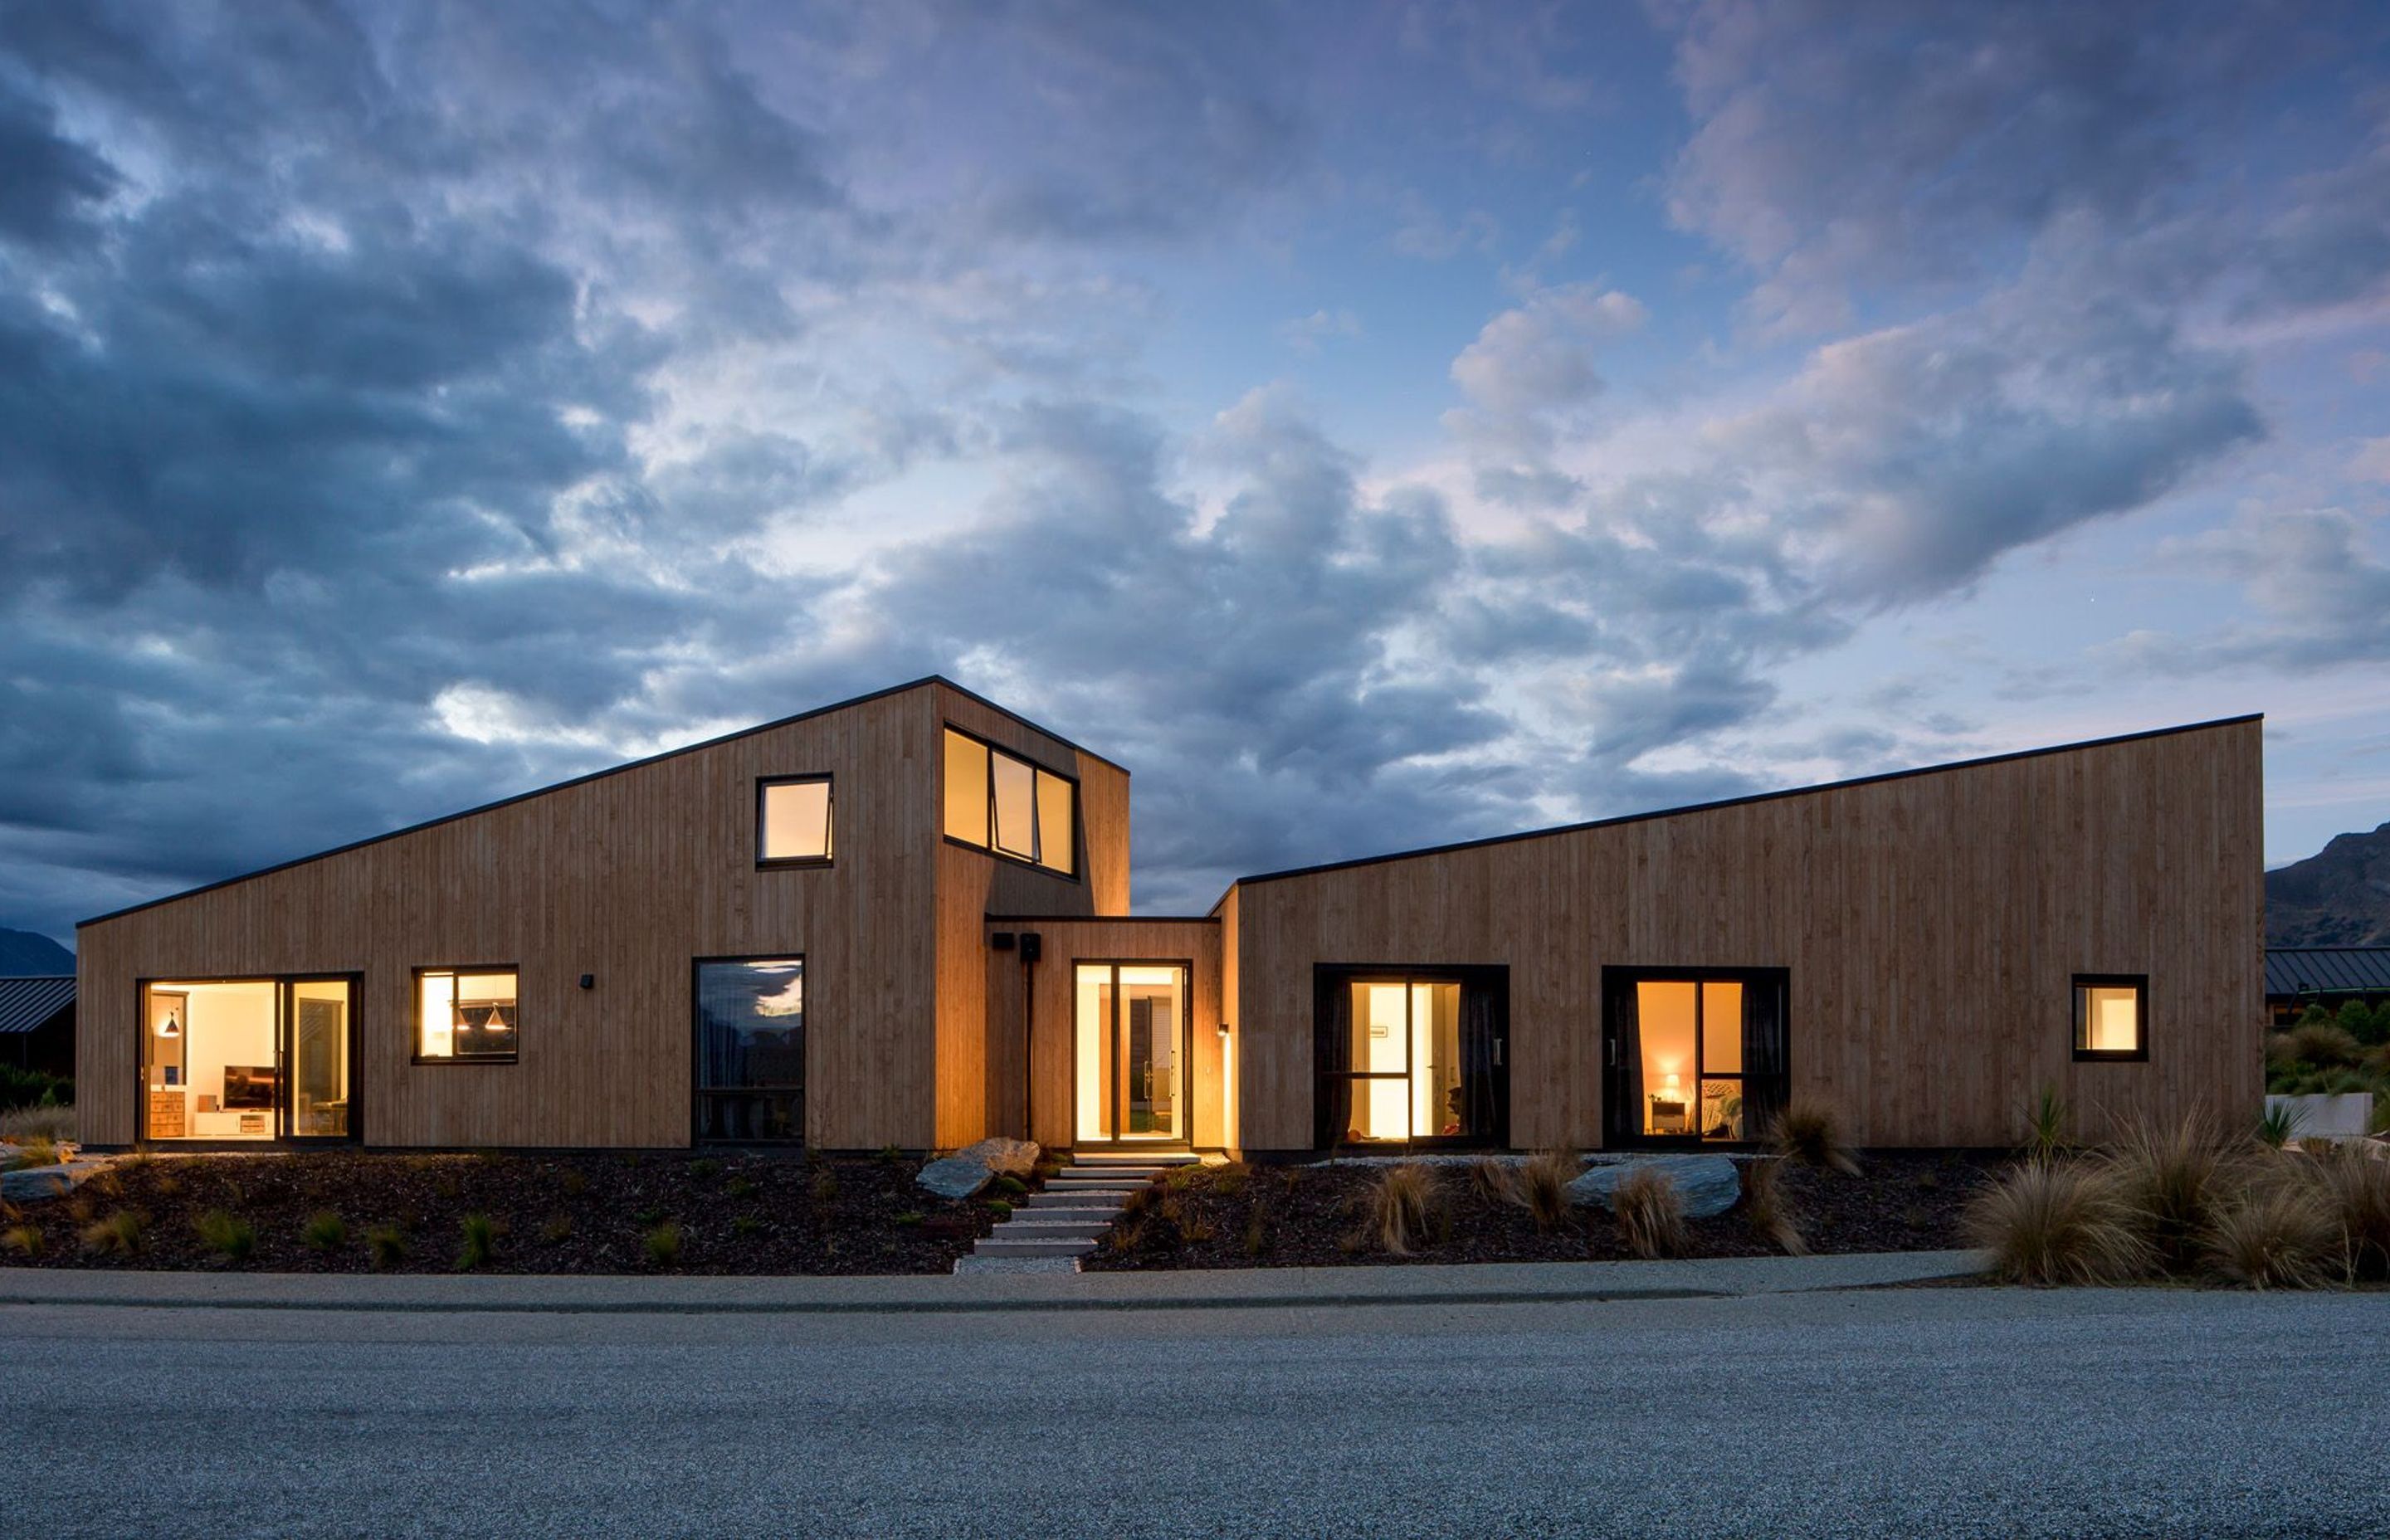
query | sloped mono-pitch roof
[2294, 970]
[25, 1004]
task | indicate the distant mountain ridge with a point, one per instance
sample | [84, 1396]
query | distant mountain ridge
[23, 952]
[2340, 896]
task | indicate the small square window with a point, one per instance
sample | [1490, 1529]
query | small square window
[792, 821]
[464, 1016]
[2112, 1017]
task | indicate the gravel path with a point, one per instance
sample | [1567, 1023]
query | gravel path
[1924, 1412]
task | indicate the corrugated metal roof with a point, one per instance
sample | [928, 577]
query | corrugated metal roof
[26, 1003]
[2318, 969]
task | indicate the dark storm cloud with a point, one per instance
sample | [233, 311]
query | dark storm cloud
[402, 405]
[47, 180]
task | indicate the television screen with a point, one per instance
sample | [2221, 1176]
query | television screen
[248, 1085]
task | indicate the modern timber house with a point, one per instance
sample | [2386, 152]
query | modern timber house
[904, 920]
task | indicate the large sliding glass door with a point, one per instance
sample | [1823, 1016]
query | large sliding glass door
[1130, 1045]
[249, 1060]
[1411, 1058]
[1694, 1056]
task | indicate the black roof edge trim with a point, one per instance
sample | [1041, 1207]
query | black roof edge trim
[1742, 802]
[865, 699]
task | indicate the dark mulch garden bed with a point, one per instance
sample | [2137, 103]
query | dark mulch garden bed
[1314, 1216]
[737, 1214]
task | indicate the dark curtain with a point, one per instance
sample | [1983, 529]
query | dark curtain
[1623, 1032]
[1481, 1025]
[1333, 1059]
[1764, 1079]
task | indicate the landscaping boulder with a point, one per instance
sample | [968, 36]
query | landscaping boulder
[1004, 1157]
[956, 1177]
[1708, 1184]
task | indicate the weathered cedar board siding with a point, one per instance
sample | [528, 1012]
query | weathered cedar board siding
[1932, 924]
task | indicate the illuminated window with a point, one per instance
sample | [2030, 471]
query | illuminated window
[1001, 803]
[1694, 1055]
[793, 820]
[465, 1016]
[2112, 1017]
[1404, 1060]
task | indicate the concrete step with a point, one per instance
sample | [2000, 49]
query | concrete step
[1056, 1213]
[1133, 1157]
[997, 1246]
[1132, 1177]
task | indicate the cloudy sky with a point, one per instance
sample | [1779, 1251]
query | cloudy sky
[1374, 425]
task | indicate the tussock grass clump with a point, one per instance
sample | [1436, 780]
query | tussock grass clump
[825, 1186]
[573, 1183]
[1495, 1181]
[324, 1231]
[704, 1166]
[228, 1236]
[2279, 1234]
[23, 1240]
[2325, 1044]
[55, 1123]
[1811, 1133]
[739, 1186]
[2054, 1221]
[1651, 1214]
[2175, 1179]
[662, 1245]
[1543, 1186]
[38, 1149]
[1771, 1207]
[480, 1233]
[1256, 1239]
[2354, 1181]
[746, 1225]
[118, 1235]
[386, 1244]
[1397, 1207]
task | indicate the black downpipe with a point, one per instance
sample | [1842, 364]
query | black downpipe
[1032, 949]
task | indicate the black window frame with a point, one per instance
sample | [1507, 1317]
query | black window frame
[764, 785]
[699, 1090]
[2078, 995]
[1037, 809]
[1623, 1121]
[1490, 981]
[454, 971]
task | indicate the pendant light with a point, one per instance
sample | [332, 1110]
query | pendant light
[172, 1027]
[498, 1021]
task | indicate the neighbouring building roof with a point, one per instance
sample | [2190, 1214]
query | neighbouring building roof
[2326, 969]
[25, 1004]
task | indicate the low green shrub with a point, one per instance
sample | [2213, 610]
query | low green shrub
[2280, 1125]
[386, 1244]
[825, 1186]
[1000, 1208]
[662, 1244]
[1011, 1187]
[480, 1233]
[228, 1236]
[558, 1229]
[911, 1217]
[746, 1225]
[739, 1186]
[326, 1231]
[23, 1087]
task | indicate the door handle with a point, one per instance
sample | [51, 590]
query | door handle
[1497, 1053]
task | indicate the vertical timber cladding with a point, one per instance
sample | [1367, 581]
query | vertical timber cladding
[626, 876]
[1053, 1053]
[979, 1060]
[1932, 923]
